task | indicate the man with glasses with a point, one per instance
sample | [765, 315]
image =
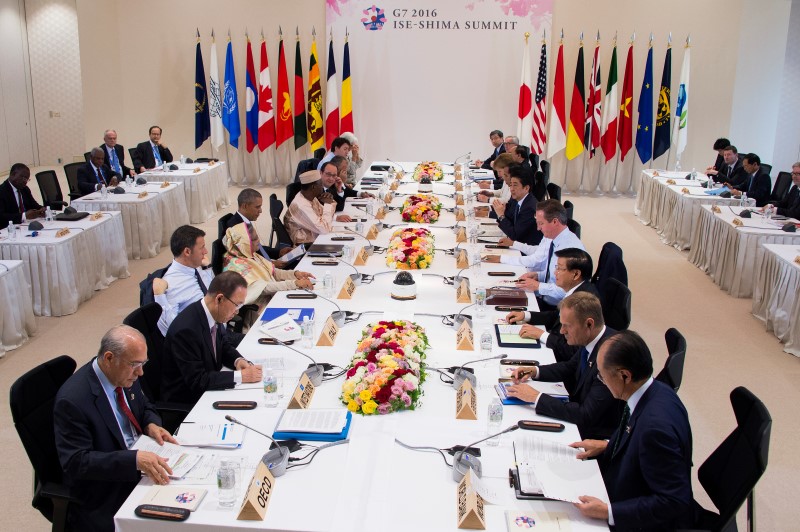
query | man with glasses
[789, 206]
[197, 345]
[335, 186]
[99, 413]
[16, 201]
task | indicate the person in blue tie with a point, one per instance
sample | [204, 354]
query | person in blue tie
[96, 173]
[757, 184]
[151, 153]
[115, 154]
[590, 404]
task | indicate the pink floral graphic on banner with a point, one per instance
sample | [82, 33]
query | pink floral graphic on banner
[334, 5]
[534, 9]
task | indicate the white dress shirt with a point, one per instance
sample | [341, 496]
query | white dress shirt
[182, 291]
[237, 375]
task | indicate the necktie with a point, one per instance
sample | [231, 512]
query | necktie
[623, 423]
[200, 282]
[123, 406]
[584, 362]
[214, 340]
[115, 161]
[549, 259]
[157, 156]
[21, 203]
[730, 169]
[100, 177]
[750, 183]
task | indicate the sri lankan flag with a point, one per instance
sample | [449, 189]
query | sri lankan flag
[576, 116]
[316, 121]
[346, 110]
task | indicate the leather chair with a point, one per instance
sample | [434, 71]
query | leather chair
[50, 189]
[545, 166]
[615, 298]
[71, 170]
[292, 189]
[782, 185]
[275, 210]
[574, 226]
[222, 225]
[275, 206]
[570, 208]
[672, 373]
[553, 191]
[610, 265]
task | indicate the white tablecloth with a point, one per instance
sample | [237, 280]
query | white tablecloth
[731, 255]
[64, 272]
[206, 191]
[149, 221]
[16, 311]
[775, 295]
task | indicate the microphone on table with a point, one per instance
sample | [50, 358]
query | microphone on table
[398, 165]
[314, 372]
[467, 155]
[339, 316]
[463, 461]
[455, 320]
[369, 247]
[356, 277]
[275, 459]
[461, 374]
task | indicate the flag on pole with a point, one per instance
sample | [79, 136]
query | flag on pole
[538, 135]
[576, 119]
[251, 101]
[230, 100]
[300, 127]
[557, 133]
[626, 107]
[663, 117]
[332, 100]
[682, 109]
[608, 140]
[284, 127]
[266, 111]
[347, 92]
[202, 122]
[316, 124]
[525, 105]
[644, 129]
[214, 98]
[594, 103]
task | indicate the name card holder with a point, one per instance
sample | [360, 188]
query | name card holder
[394, 185]
[797, 259]
[461, 259]
[655, 173]
[461, 235]
[210, 163]
[372, 233]
[469, 505]
[388, 198]
[62, 232]
[348, 287]
[302, 395]
[459, 199]
[381, 214]
[670, 181]
[95, 216]
[685, 190]
[464, 338]
[329, 332]
[462, 292]
[458, 168]
[256, 500]
[737, 222]
[466, 401]
[361, 257]
[460, 216]
[482, 212]
[197, 170]
[165, 184]
[459, 185]
[715, 209]
[142, 194]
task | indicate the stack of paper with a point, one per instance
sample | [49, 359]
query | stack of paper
[180, 460]
[322, 424]
[284, 328]
[224, 436]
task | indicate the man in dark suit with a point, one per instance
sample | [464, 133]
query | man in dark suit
[647, 462]
[590, 404]
[719, 146]
[16, 201]
[96, 172]
[115, 154]
[789, 206]
[197, 345]
[496, 138]
[732, 171]
[151, 153]
[98, 415]
[757, 184]
[517, 218]
[250, 204]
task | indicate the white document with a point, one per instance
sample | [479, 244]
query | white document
[299, 251]
[567, 481]
[284, 328]
[320, 421]
[534, 448]
[487, 494]
[179, 459]
[226, 435]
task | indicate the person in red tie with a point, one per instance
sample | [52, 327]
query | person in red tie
[16, 201]
[98, 415]
[96, 172]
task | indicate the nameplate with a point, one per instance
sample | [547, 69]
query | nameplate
[462, 292]
[469, 505]
[95, 216]
[459, 185]
[210, 163]
[329, 332]
[381, 214]
[459, 199]
[62, 232]
[302, 395]
[655, 173]
[458, 167]
[197, 170]
[361, 257]
[715, 209]
[165, 184]
[348, 287]
[797, 259]
[464, 338]
[388, 198]
[737, 222]
[670, 181]
[372, 233]
[142, 194]
[400, 174]
[394, 185]
[466, 401]
[481, 212]
[460, 215]
[461, 235]
[461, 259]
[685, 190]
[256, 500]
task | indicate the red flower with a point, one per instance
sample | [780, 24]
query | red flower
[384, 394]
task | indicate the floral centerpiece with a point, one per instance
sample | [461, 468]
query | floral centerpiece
[428, 169]
[410, 249]
[387, 369]
[421, 208]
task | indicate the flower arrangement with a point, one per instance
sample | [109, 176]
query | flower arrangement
[410, 249]
[429, 169]
[422, 208]
[387, 369]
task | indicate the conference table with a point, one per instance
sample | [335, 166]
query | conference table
[205, 186]
[775, 294]
[729, 247]
[17, 322]
[150, 214]
[372, 482]
[64, 271]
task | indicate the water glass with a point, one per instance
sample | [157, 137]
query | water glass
[226, 482]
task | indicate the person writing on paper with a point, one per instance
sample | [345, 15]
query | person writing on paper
[719, 146]
[16, 201]
[732, 171]
[590, 404]
[789, 206]
[262, 277]
[311, 212]
[197, 346]
[98, 415]
[647, 462]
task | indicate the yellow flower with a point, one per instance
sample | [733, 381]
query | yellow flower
[369, 407]
[352, 406]
[365, 395]
[423, 264]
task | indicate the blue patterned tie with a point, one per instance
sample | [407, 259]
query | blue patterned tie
[157, 156]
[115, 161]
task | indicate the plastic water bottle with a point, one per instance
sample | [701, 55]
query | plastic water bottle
[12, 231]
[486, 343]
[694, 174]
[743, 202]
[183, 159]
[164, 167]
[48, 214]
[270, 382]
[104, 190]
[495, 419]
[678, 165]
[327, 283]
[476, 261]
[710, 182]
[768, 212]
[226, 483]
[307, 332]
[480, 304]
[129, 182]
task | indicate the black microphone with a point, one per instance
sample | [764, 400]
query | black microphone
[275, 459]
[314, 372]
[463, 461]
[460, 374]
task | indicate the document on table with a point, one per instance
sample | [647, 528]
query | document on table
[320, 421]
[299, 251]
[224, 436]
[179, 459]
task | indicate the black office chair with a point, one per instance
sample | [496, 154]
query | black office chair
[217, 256]
[87, 156]
[32, 398]
[729, 475]
[615, 298]
[574, 226]
[782, 185]
[305, 165]
[570, 208]
[534, 159]
[545, 166]
[292, 190]
[672, 374]
[71, 170]
[132, 151]
[222, 225]
[275, 210]
[767, 168]
[50, 189]
[610, 265]
[554, 191]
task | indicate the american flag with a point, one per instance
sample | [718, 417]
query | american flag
[540, 105]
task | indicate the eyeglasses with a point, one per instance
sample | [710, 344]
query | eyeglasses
[136, 365]
[600, 377]
[795, 173]
[559, 269]
[330, 174]
[237, 305]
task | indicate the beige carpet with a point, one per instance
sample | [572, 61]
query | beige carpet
[727, 347]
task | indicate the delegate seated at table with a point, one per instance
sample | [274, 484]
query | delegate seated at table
[789, 206]
[354, 159]
[517, 217]
[311, 213]
[732, 171]
[249, 204]
[336, 188]
[151, 153]
[96, 172]
[496, 138]
[757, 184]
[502, 164]
[115, 154]
[16, 201]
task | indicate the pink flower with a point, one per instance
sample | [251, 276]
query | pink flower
[406, 399]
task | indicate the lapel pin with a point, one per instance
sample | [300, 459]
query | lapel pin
[131, 396]
[628, 429]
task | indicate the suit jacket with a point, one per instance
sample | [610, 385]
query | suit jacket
[521, 226]
[759, 188]
[97, 465]
[348, 193]
[236, 219]
[190, 366]
[9, 208]
[120, 151]
[648, 479]
[737, 173]
[790, 205]
[143, 155]
[87, 178]
[487, 163]
[591, 405]
[550, 318]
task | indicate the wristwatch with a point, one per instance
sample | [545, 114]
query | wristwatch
[501, 218]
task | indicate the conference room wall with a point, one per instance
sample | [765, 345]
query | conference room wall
[152, 78]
